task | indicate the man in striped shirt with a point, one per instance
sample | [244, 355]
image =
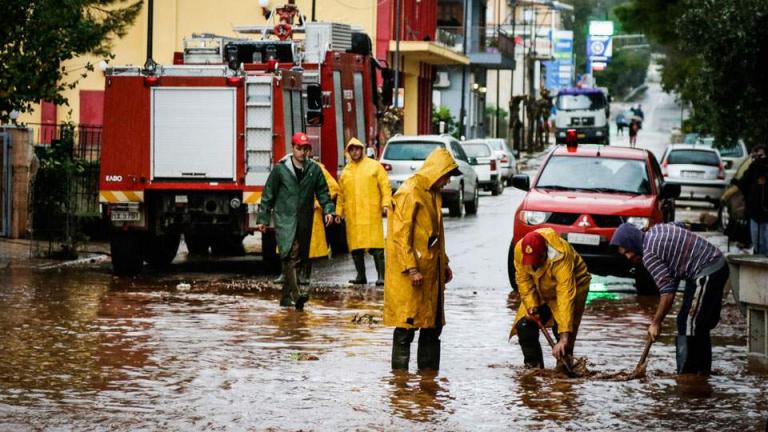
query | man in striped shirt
[671, 253]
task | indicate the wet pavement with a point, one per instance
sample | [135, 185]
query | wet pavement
[82, 350]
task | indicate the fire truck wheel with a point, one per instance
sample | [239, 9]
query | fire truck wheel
[511, 267]
[269, 251]
[227, 246]
[160, 250]
[126, 253]
[196, 244]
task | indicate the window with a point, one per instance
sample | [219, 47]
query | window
[410, 150]
[584, 101]
[458, 152]
[693, 157]
[359, 106]
[477, 150]
[607, 175]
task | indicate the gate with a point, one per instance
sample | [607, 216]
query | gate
[5, 184]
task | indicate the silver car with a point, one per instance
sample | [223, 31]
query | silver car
[697, 169]
[403, 155]
[732, 156]
[507, 156]
[486, 163]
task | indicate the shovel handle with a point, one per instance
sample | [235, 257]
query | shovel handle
[567, 358]
[646, 350]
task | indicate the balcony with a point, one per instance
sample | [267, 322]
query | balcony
[488, 46]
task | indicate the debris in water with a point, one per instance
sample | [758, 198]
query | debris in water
[363, 319]
[304, 357]
[183, 287]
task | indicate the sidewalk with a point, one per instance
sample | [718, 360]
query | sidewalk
[20, 253]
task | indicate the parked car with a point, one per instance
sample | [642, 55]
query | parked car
[403, 155]
[487, 166]
[507, 156]
[697, 169]
[585, 194]
[732, 156]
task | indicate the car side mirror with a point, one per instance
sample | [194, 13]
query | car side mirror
[473, 161]
[670, 190]
[522, 182]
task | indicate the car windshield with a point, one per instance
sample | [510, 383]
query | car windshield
[477, 150]
[734, 151]
[496, 145]
[410, 150]
[596, 174]
[693, 157]
[584, 101]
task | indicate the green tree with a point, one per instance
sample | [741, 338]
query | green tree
[443, 114]
[627, 69]
[39, 35]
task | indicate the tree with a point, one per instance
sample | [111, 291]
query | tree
[628, 69]
[40, 35]
[443, 114]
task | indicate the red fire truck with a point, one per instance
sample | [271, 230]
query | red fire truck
[188, 147]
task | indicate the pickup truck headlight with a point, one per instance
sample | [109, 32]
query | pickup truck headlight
[534, 217]
[639, 222]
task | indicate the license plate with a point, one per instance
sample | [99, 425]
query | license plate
[122, 216]
[692, 173]
[584, 239]
[582, 136]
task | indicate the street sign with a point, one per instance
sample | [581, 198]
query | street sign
[601, 28]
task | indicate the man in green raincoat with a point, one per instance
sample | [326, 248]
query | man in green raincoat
[289, 195]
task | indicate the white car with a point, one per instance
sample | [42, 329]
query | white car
[732, 156]
[507, 156]
[697, 169]
[404, 155]
[487, 165]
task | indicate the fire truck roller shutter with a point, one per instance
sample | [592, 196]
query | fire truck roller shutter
[193, 133]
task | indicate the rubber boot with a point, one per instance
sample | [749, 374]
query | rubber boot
[306, 273]
[301, 300]
[401, 348]
[280, 279]
[358, 256]
[285, 300]
[428, 356]
[378, 260]
[528, 335]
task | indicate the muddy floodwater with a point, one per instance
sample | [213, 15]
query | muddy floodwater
[81, 350]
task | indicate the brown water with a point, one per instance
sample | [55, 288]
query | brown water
[81, 350]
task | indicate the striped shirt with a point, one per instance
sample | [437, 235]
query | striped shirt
[672, 253]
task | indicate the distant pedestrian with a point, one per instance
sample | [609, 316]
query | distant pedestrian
[318, 247]
[754, 187]
[671, 253]
[417, 266]
[634, 126]
[553, 282]
[288, 196]
[621, 121]
[365, 197]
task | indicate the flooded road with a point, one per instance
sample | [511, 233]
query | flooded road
[81, 350]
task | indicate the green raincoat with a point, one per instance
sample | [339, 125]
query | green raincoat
[292, 203]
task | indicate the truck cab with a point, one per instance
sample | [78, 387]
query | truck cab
[584, 110]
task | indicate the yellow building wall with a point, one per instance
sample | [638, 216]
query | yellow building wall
[176, 19]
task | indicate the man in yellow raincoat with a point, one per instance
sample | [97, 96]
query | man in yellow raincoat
[365, 197]
[318, 246]
[417, 266]
[553, 282]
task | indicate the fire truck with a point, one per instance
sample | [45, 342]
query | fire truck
[187, 147]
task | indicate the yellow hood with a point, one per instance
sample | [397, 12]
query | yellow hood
[355, 142]
[438, 163]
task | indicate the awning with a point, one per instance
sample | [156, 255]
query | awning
[429, 52]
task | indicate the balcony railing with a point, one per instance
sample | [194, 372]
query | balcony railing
[482, 39]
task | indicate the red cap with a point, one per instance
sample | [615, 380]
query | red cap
[534, 246]
[300, 139]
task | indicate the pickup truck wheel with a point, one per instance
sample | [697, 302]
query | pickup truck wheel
[126, 253]
[511, 266]
[455, 209]
[160, 250]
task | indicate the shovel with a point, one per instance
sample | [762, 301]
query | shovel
[640, 368]
[567, 359]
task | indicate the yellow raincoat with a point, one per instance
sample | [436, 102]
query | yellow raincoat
[365, 191]
[415, 223]
[561, 283]
[318, 246]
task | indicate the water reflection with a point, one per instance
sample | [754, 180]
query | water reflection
[418, 397]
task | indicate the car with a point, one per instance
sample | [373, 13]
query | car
[508, 157]
[732, 156]
[487, 166]
[404, 154]
[585, 193]
[697, 169]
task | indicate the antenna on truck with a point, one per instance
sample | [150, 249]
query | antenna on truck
[150, 65]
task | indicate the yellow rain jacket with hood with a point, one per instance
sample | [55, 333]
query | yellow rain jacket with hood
[318, 246]
[415, 239]
[365, 191]
[561, 283]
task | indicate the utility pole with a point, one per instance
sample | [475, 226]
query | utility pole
[397, 53]
[462, 113]
[498, 70]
